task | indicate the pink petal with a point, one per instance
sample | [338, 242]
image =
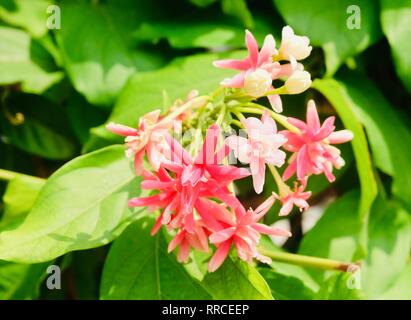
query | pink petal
[176, 241]
[157, 225]
[227, 173]
[272, 231]
[235, 82]
[313, 121]
[183, 252]
[138, 162]
[207, 152]
[267, 50]
[121, 129]
[222, 235]
[341, 136]
[258, 173]
[232, 64]
[263, 208]
[286, 208]
[275, 102]
[326, 129]
[288, 173]
[146, 201]
[178, 153]
[219, 256]
[302, 163]
[252, 47]
[262, 228]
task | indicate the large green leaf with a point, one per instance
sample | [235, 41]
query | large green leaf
[139, 267]
[284, 287]
[237, 280]
[395, 20]
[389, 245]
[325, 23]
[43, 130]
[336, 236]
[401, 289]
[385, 129]
[103, 57]
[83, 205]
[19, 198]
[20, 281]
[342, 102]
[201, 31]
[24, 61]
[28, 14]
[337, 287]
[150, 90]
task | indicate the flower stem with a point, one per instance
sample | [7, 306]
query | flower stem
[259, 109]
[307, 261]
[8, 175]
[283, 189]
[196, 102]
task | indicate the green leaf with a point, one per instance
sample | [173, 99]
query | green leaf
[336, 236]
[237, 280]
[154, 89]
[104, 56]
[285, 287]
[389, 245]
[200, 31]
[401, 289]
[203, 3]
[83, 205]
[385, 128]
[337, 287]
[43, 130]
[326, 24]
[87, 280]
[395, 17]
[83, 116]
[285, 270]
[24, 61]
[344, 106]
[139, 267]
[19, 198]
[28, 14]
[238, 9]
[21, 281]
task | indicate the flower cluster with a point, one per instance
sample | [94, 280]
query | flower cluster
[192, 183]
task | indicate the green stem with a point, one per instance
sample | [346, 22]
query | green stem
[307, 261]
[186, 106]
[283, 189]
[8, 175]
[276, 116]
[237, 123]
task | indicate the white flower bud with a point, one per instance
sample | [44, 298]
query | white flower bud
[257, 83]
[298, 82]
[293, 46]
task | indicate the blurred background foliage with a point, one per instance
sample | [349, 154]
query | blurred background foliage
[115, 60]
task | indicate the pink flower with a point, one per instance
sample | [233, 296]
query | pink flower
[181, 182]
[236, 227]
[147, 139]
[186, 240]
[260, 148]
[297, 197]
[257, 70]
[313, 153]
